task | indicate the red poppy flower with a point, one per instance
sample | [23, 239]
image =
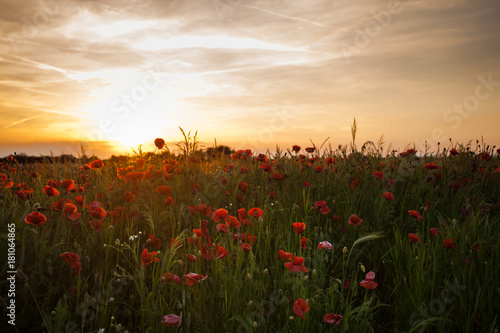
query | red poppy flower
[354, 220]
[148, 257]
[222, 228]
[175, 243]
[191, 257]
[277, 176]
[50, 191]
[330, 161]
[171, 319]
[378, 175]
[232, 221]
[159, 143]
[73, 261]
[414, 238]
[243, 187]
[300, 307]
[97, 164]
[246, 247]
[169, 201]
[267, 167]
[296, 148]
[299, 227]
[96, 225]
[368, 282]
[432, 166]
[70, 212]
[435, 232]
[322, 207]
[332, 318]
[98, 213]
[282, 255]
[205, 210]
[310, 149]
[35, 218]
[296, 265]
[134, 177]
[220, 214]
[4, 183]
[154, 242]
[241, 213]
[193, 278]
[68, 184]
[453, 152]
[415, 214]
[164, 190]
[222, 252]
[449, 243]
[255, 212]
[303, 243]
[388, 196]
[171, 277]
[325, 245]
[306, 184]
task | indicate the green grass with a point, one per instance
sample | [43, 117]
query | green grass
[421, 286]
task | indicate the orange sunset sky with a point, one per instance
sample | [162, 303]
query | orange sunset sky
[115, 74]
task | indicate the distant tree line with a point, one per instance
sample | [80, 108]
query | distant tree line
[68, 158]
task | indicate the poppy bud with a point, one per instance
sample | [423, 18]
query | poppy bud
[250, 303]
[344, 250]
[305, 278]
[179, 305]
[112, 318]
[249, 277]
[118, 281]
[111, 300]
[313, 272]
[181, 263]
[255, 324]
[117, 242]
[53, 313]
[194, 237]
[265, 272]
[291, 318]
[362, 267]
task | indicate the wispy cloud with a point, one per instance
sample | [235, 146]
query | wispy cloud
[19, 122]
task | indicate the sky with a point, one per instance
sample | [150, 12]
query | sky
[115, 74]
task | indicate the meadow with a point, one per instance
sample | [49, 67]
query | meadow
[303, 239]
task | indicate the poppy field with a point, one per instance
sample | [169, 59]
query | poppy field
[303, 239]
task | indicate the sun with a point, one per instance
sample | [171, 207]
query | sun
[136, 131]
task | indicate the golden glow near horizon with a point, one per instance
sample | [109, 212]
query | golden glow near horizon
[253, 74]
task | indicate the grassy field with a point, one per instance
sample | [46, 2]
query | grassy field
[300, 240]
